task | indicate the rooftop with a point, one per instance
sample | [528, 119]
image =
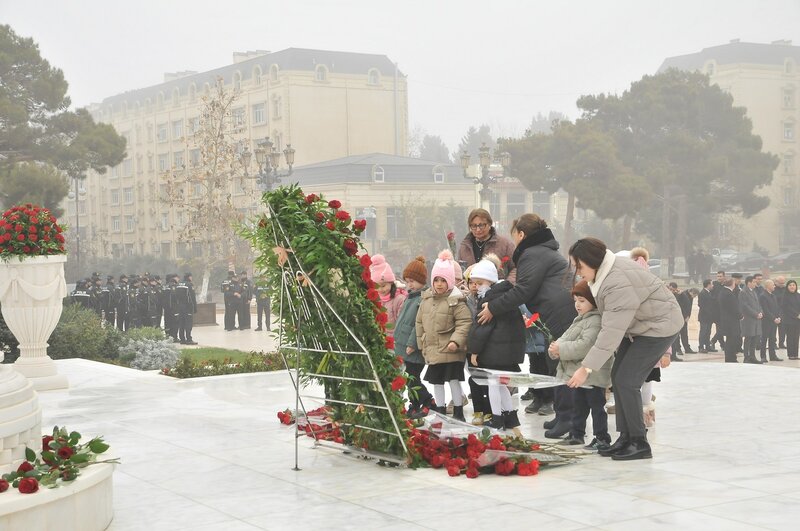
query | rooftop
[736, 52]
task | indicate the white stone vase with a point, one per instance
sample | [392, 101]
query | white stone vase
[31, 294]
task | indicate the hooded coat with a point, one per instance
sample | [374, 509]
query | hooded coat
[500, 343]
[440, 320]
[575, 343]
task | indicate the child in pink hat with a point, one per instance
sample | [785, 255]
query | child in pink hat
[391, 298]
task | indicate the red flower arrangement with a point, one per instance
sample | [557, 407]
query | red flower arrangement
[30, 230]
[398, 383]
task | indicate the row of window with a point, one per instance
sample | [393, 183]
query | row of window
[379, 174]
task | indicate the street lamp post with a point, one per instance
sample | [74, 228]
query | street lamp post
[73, 194]
[268, 159]
[485, 160]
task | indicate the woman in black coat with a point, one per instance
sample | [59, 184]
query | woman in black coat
[790, 318]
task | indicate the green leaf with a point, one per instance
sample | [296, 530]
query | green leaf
[79, 458]
[30, 455]
[74, 437]
[98, 446]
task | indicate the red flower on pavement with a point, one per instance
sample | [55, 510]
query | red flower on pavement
[65, 452]
[334, 203]
[25, 466]
[453, 471]
[472, 473]
[3, 485]
[398, 383]
[28, 485]
[46, 442]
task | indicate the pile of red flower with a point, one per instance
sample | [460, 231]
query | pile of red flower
[317, 424]
[470, 456]
[29, 230]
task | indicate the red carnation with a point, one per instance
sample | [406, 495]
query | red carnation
[310, 198]
[59, 238]
[382, 318]
[373, 294]
[34, 220]
[453, 471]
[334, 203]
[437, 461]
[398, 383]
[18, 227]
[505, 259]
[365, 261]
[330, 225]
[360, 224]
[65, 452]
[390, 343]
[20, 237]
[320, 216]
[472, 473]
[343, 215]
[350, 246]
[33, 237]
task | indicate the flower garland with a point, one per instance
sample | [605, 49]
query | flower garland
[60, 461]
[29, 230]
[324, 239]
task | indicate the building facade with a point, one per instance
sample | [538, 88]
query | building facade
[325, 104]
[764, 79]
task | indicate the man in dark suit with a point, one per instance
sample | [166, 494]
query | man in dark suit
[780, 291]
[685, 299]
[751, 319]
[716, 289]
[730, 317]
[770, 322]
[707, 315]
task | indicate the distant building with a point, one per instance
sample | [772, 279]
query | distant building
[326, 104]
[764, 79]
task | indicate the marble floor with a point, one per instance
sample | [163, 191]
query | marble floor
[209, 454]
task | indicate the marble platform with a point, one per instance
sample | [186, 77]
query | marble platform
[209, 454]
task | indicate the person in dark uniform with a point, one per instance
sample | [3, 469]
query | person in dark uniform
[80, 295]
[262, 304]
[134, 312]
[730, 317]
[107, 303]
[154, 301]
[716, 289]
[122, 303]
[186, 303]
[230, 301]
[707, 315]
[95, 287]
[244, 302]
[169, 307]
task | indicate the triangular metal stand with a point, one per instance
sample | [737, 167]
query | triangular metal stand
[315, 305]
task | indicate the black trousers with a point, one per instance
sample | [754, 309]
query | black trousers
[185, 325]
[792, 328]
[122, 320]
[750, 343]
[423, 396]
[171, 324]
[704, 338]
[540, 363]
[587, 401]
[781, 335]
[718, 337]
[682, 339]
[110, 316]
[731, 347]
[230, 315]
[480, 395]
[263, 307]
[768, 339]
[243, 312]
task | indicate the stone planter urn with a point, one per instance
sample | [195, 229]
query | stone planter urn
[31, 294]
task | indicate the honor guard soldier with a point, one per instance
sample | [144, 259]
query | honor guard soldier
[186, 303]
[262, 303]
[244, 303]
[80, 295]
[134, 312]
[230, 301]
[122, 303]
[108, 294]
[95, 289]
[154, 301]
[169, 307]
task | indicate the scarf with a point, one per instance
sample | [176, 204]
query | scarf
[537, 238]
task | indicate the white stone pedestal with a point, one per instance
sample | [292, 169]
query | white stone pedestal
[20, 417]
[31, 294]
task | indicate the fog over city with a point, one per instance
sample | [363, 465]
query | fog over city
[467, 62]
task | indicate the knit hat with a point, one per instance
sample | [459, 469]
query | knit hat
[443, 267]
[485, 270]
[416, 270]
[581, 289]
[380, 271]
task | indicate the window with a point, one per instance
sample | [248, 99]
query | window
[165, 221]
[177, 129]
[129, 249]
[788, 163]
[163, 161]
[166, 249]
[257, 76]
[259, 114]
[162, 192]
[273, 73]
[194, 157]
[114, 197]
[127, 167]
[162, 132]
[115, 223]
[494, 202]
[129, 223]
[150, 162]
[115, 172]
[116, 252]
[237, 82]
[139, 165]
[541, 204]
[197, 190]
[788, 196]
[395, 228]
[192, 93]
[160, 100]
[378, 174]
[237, 117]
[194, 125]
[149, 132]
[515, 204]
[178, 161]
[176, 96]
[788, 98]
[788, 67]
[321, 73]
[127, 195]
[438, 175]
[788, 131]
[277, 107]
[373, 77]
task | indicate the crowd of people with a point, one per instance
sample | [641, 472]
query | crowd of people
[141, 300]
[504, 299]
[238, 292]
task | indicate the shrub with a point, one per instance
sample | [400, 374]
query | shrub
[79, 334]
[255, 362]
[145, 332]
[150, 354]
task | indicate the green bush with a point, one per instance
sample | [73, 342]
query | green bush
[145, 332]
[79, 334]
[255, 362]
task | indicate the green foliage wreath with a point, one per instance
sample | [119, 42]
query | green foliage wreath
[307, 232]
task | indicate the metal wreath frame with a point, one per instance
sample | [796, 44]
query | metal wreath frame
[304, 312]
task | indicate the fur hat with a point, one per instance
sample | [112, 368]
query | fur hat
[581, 289]
[485, 270]
[380, 271]
[443, 267]
[416, 270]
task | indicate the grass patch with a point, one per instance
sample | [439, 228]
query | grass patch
[214, 353]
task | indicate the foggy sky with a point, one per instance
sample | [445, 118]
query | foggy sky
[468, 62]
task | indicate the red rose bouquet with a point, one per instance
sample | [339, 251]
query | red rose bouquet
[30, 230]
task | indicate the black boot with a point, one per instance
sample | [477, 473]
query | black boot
[561, 428]
[637, 448]
[458, 413]
[497, 422]
[528, 395]
[510, 420]
[621, 442]
[441, 409]
[534, 406]
[550, 424]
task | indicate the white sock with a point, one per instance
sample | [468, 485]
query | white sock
[647, 393]
[505, 399]
[455, 389]
[495, 400]
[438, 395]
